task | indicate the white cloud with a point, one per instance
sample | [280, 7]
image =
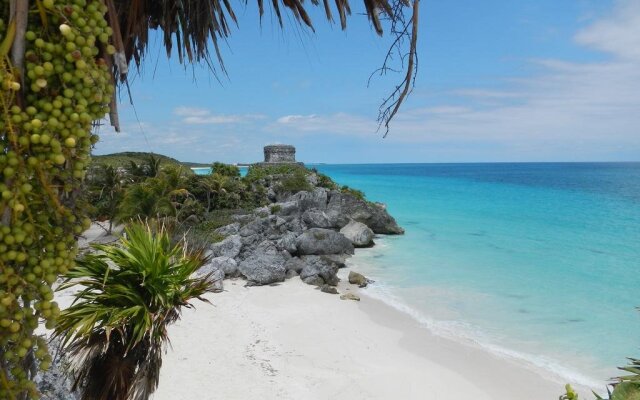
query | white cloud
[618, 34]
[201, 116]
[339, 123]
[564, 109]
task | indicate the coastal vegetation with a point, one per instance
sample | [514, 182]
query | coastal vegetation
[60, 61]
[128, 293]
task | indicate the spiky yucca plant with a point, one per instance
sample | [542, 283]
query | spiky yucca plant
[115, 330]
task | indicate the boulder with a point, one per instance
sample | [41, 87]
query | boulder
[316, 219]
[338, 259]
[262, 211]
[271, 226]
[314, 280]
[350, 296]
[229, 247]
[288, 242]
[295, 224]
[215, 268]
[228, 230]
[308, 200]
[328, 289]
[320, 267]
[374, 215]
[243, 218]
[358, 233]
[358, 279]
[264, 265]
[255, 227]
[226, 264]
[286, 208]
[290, 274]
[323, 241]
[217, 281]
[294, 264]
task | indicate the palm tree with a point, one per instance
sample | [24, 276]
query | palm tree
[110, 183]
[155, 197]
[116, 329]
[152, 166]
[212, 185]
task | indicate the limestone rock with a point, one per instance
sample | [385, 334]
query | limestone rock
[288, 242]
[316, 219]
[322, 267]
[290, 274]
[358, 233]
[350, 296]
[358, 279]
[314, 280]
[228, 230]
[229, 247]
[315, 199]
[227, 264]
[294, 264]
[328, 289]
[323, 241]
[264, 266]
[286, 208]
[374, 215]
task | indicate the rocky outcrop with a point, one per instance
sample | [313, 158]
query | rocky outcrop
[307, 234]
[319, 270]
[317, 219]
[265, 265]
[229, 247]
[358, 233]
[318, 241]
[227, 265]
[344, 206]
[317, 199]
[228, 230]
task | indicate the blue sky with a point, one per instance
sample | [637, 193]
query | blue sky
[527, 80]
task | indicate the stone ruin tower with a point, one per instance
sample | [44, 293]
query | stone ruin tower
[279, 154]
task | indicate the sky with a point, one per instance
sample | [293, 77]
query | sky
[498, 81]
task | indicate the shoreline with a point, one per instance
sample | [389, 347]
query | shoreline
[542, 365]
[297, 342]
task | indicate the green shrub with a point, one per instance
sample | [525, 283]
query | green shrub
[225, 169]
[261, 171]
[359, 194]
[275, 208]
[295, 182]
[326, 182]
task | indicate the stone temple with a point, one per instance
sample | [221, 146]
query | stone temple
[279, 154]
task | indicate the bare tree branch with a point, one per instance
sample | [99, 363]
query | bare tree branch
[403, 30]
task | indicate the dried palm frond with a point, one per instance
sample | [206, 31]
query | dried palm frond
[192, 26]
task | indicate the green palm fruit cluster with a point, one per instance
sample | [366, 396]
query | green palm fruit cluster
[47, 115]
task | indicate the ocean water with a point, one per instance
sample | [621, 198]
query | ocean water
[534, 261]
[207, 170]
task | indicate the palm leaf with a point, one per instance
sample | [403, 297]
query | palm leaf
[115, 329]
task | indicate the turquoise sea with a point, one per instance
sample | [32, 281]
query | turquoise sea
[534, 261]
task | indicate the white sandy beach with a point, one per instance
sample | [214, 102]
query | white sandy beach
[294, 342]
